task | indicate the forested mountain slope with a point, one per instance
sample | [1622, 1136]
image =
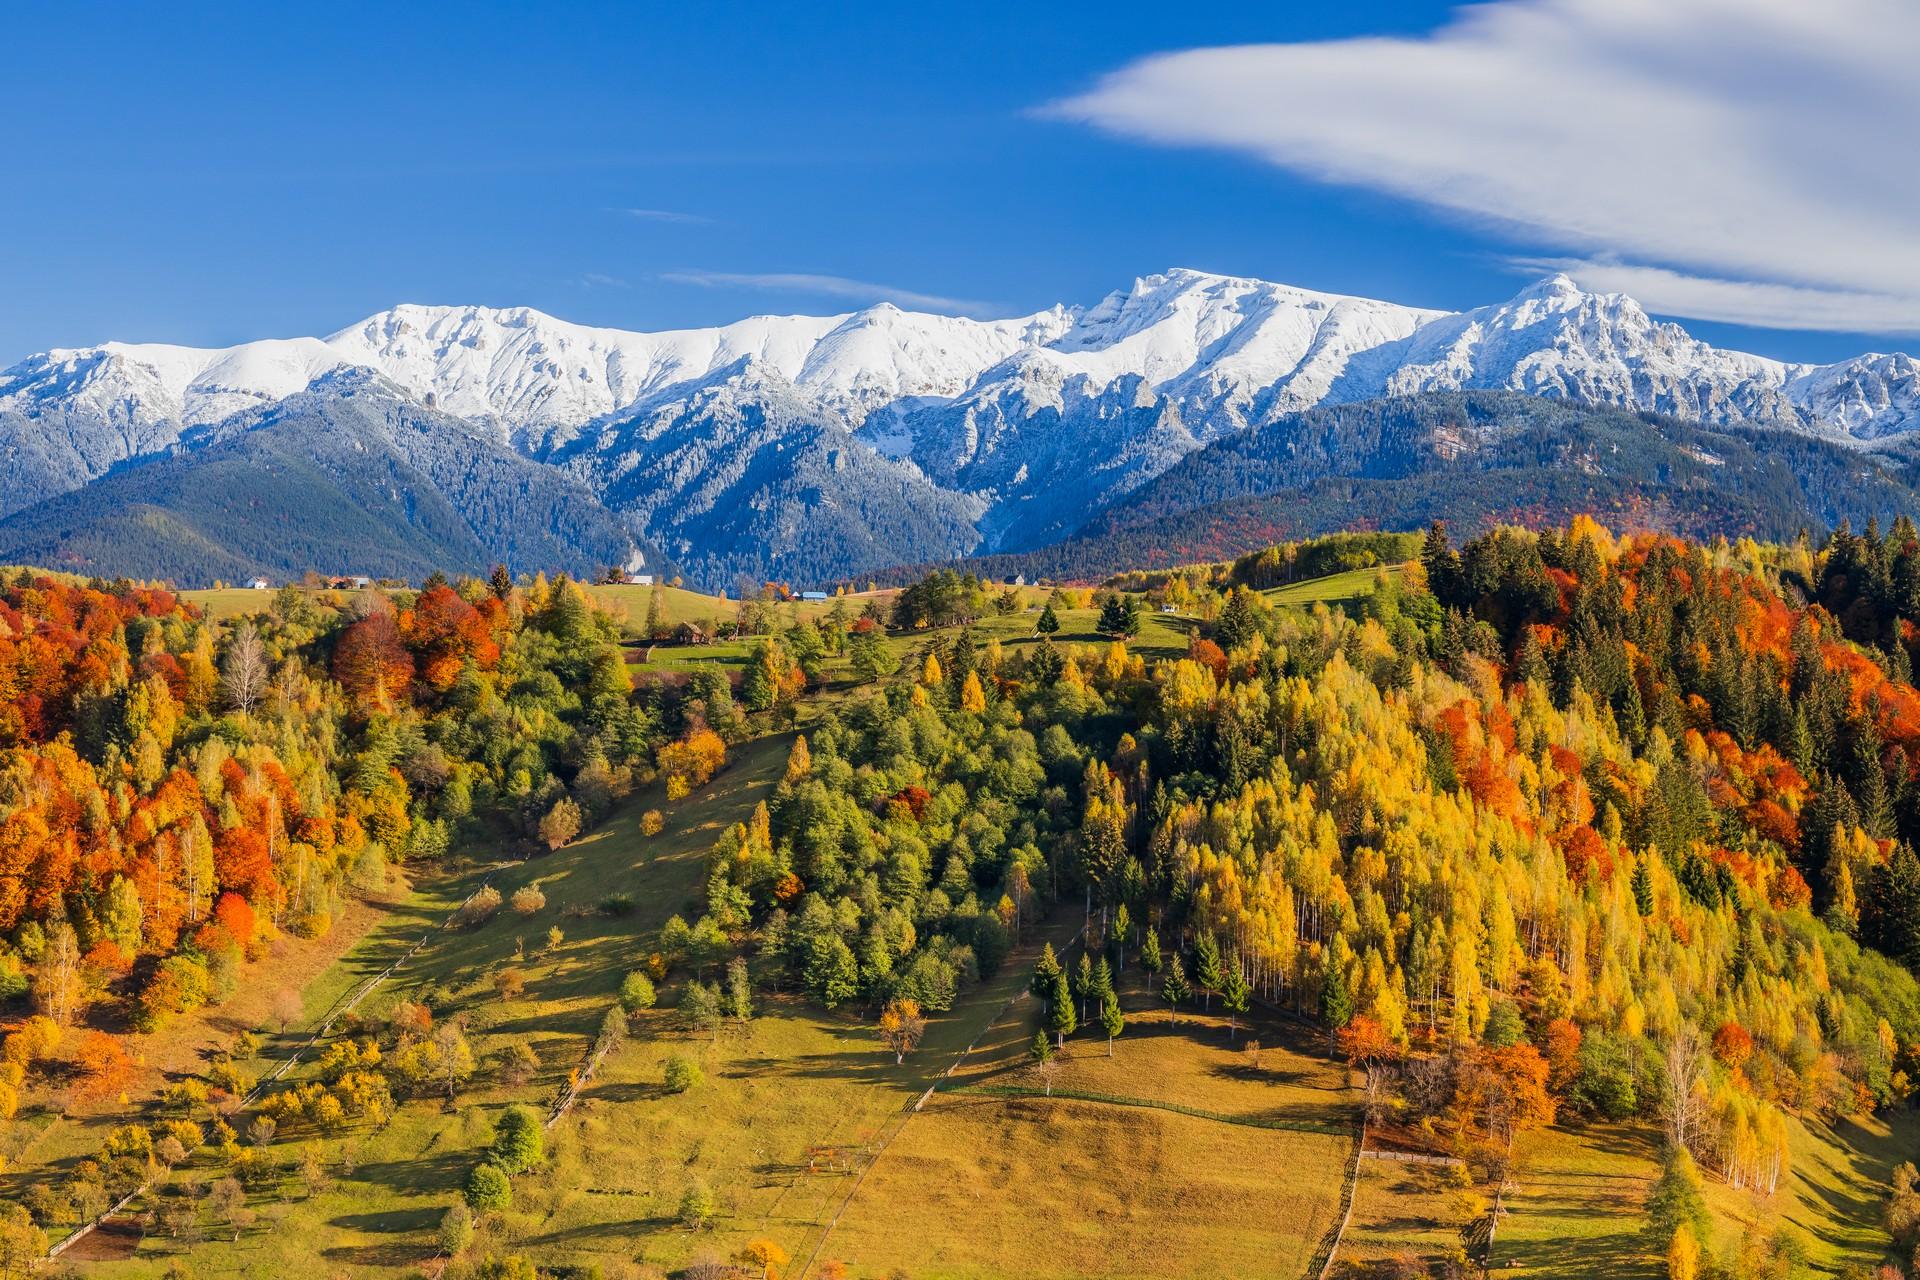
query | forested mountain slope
[348, 478]
[1475, 459]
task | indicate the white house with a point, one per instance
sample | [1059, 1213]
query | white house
[260, 584]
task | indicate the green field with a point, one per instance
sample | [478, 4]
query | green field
[1334, 589]
[1580, 1193]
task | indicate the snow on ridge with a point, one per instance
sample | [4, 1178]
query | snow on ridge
[1213, 345]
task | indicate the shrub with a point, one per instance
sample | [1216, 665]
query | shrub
[697, 1207]
[481, 907]
[519, 1143]
[456, 1228]
[652, 822]
[528, 900]
[488, 1190]
[637, 993]
[518, 1063]
[617, 904]
[562, 823]
[682, 1074]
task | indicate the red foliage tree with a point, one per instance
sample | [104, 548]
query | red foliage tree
[371, 662]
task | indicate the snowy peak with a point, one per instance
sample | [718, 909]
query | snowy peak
[1223, 351]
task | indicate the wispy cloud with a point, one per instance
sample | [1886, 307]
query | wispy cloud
[595, 280]
[829, 286]
[667, 215]
[1741, 160]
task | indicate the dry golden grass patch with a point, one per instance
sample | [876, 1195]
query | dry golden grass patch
[1033, 1187]
[1401, 1209]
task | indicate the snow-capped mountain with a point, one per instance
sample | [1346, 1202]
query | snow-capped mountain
[1030, 423]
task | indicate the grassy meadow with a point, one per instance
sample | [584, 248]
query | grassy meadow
[1179, 1154]
[1160, 1160]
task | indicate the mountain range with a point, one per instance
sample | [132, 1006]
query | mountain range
[815, 448]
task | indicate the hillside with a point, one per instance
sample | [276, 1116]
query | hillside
[960, 931]
[350, 478]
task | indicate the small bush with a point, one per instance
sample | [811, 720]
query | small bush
[518, 1063]
[488, 1190]
[519, 1142]
[528, 900]
[617, 904]
[637, 993]
[481, 907]
[697, 1207]
[682, 1074]
[652, 823]
[456, 1229]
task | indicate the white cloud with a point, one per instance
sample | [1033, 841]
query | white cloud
[1740, 301]
[596, 280]
[1743, 160]
[667, 215]
[831, 286]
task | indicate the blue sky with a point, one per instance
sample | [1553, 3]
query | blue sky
[206, 175]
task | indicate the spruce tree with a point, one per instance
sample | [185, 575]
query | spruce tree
[1643, 885]
[1112, 1021]
[1083, 983]
[1236, 623]
[1046, 662]
[1045, 970]
[1048, 622]
[1150, 952]
[1117, 936]
[1175, 988]
[1336, 1002]
[1206, 967]
[1235, 995]
[1102, 980]
[1060, 1016]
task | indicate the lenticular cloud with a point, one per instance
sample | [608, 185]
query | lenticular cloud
[1729, 156]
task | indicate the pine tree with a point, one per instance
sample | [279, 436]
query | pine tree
[1045, 970]
[1442, 564]
[1235, 995]
[1111, 1020]
[1643, 885]
[1118, 616]
[1048, 622]
[1117, 936]
[1175, 988]
[1046, 663]
[1060, 1015]
[1102, 980]
[1236, 623]
[1336, 1002]
[1083, 988]
[1891, 920]
[1150, 952]
[1206, 966]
